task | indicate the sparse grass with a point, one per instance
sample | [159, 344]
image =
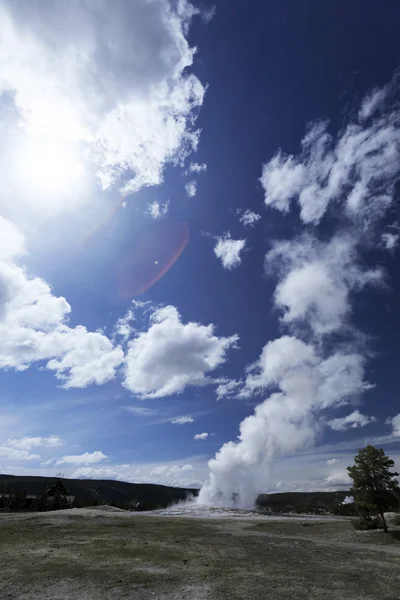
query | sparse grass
[54, 556]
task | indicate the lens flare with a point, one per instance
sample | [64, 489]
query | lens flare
[150, 256]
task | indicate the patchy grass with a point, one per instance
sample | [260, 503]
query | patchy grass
[57, 556]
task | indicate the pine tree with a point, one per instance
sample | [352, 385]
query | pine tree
[375, 487]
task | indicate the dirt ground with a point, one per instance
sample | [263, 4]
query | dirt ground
[113, 555]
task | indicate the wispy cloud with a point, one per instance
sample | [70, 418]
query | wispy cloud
[201, 436]
[156, 210]
[191, 189]
[182, 420]
[249, 218]
[195, 167]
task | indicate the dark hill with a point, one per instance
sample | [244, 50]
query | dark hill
[99, 491]
[302, 502]
[149, 496]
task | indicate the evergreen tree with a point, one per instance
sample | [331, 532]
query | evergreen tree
[375, 488]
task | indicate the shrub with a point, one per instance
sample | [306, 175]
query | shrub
[365, 523]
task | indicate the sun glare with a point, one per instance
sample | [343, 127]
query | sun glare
[50, 166]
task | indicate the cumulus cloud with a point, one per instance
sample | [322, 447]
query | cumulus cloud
[229, 251]
[172, 355]
[317, 279]
[356, 170]
[333, 381]
[87, 458]
[338, 478]
[191, 189]
[113, 76]
[351, 421]
[12, 453]
[34, 326]
[156, 209]
[182, 420]
[27, 443]
[201, 436]
[249, 218]
[319, 366]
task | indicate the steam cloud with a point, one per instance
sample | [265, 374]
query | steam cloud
[320, 365]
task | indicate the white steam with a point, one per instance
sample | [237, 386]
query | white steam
[319, 366]
[348, 500]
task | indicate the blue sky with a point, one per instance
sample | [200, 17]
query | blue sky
[199, 237]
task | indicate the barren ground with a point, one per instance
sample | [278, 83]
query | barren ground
[110, 554]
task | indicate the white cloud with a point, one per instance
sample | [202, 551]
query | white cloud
[112, 76]
[338, 478]
[174, 474]
[201, 436]
[34, 327]
[229, 250]
[168, 471]
[141, 411]
[351, 421]
[171, 355]
[27, 443]
[191, 189]
[124, 327]
[249, 218]
[395, 422]
[182, 420]
[390, 240]
[358, 169]
[332, 381]
[195, 167]
[82, 459]
[12, 242]
[332, 461]
[316, 280]
[227, 387]
[319, 366]
[16, 454]
[208, 14]
[372, 103]
[156, 210]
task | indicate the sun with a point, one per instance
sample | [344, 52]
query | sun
[50, 166]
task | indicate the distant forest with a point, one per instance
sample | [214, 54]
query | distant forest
[25, 493]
